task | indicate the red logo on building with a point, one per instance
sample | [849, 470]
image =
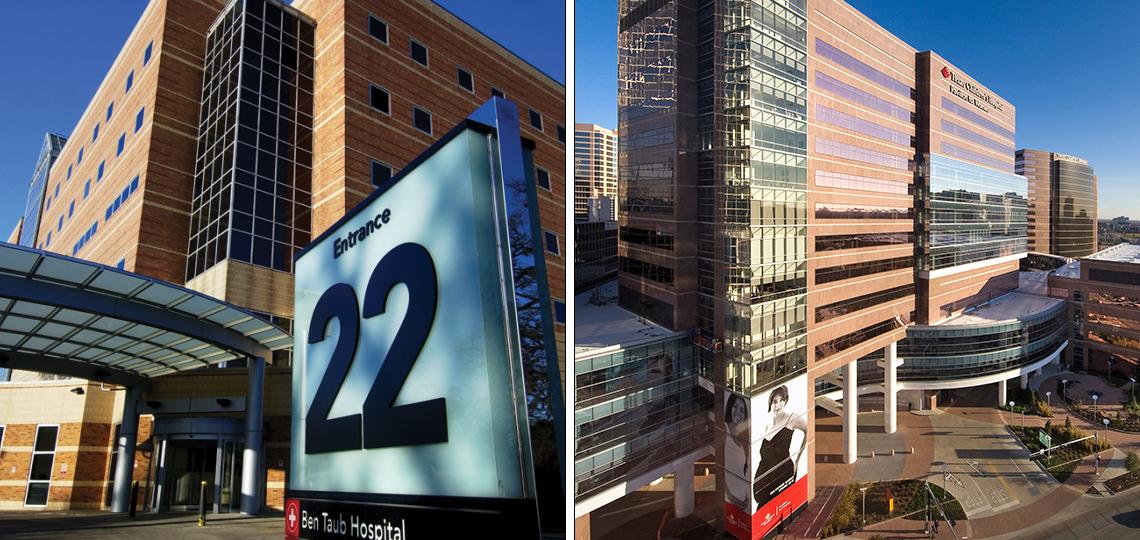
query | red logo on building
[945, 72]
[292, 518]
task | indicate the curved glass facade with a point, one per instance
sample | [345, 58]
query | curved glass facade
[973, 214]
[1073, 209]
[53, 144]
[960, 351]
[950, 352]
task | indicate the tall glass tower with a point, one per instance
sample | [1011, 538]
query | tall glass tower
[48, 153]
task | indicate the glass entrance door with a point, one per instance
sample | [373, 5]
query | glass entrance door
[188, 464]
[185, 463]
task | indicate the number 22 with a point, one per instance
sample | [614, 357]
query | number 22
[380, 424]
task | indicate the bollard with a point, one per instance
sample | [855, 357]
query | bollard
[202, 505]
[134, 498]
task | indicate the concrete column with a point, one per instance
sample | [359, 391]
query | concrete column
[890, 388]
[1025, 380]
[128, 436]
[252, 480]
[850, 412]
[1002, 400]
[683, 491]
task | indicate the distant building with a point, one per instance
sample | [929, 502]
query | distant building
[1104, 309]
[595, 166]
[595, 253]
[1062, 202]
[37, 189]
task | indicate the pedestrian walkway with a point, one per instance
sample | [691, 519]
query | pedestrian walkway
[810, 522]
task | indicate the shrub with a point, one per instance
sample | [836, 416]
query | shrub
[1132, 461]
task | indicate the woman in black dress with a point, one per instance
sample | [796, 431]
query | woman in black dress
[777, 469]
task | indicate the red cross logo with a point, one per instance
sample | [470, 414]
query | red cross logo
[292, 518]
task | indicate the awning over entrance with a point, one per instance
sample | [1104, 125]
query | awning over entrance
[77, 318]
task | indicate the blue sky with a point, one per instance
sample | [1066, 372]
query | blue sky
[1070, 68]
[55, 60]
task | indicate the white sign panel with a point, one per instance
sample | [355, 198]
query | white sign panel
[401, 377]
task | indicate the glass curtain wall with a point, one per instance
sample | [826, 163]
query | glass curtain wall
[34, 207]
[253, 175]
[1073, 209]
[752, 177]
[970, 213]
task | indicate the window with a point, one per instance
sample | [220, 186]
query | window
[79, 159]
[421, 119]
[465, 79]
[99, 176]
[130, 80]
[1, 438]
[110, 109]
[121, 265]
[381, 173]
[59, 227]
[87, 236]
[542, 178]
[48, 243]
[560, 311]
[95, 133]
[551, 241]
[69, 172]
[57, 190]
[535, 119]
[495, 92]
[379, 99]
[43, 460]
[378, 29]
[419, 53]
[47, 204]
[86, 189]
[562, 134]
[71, 209]
[139, 119]
[147, 52]
[122, 198]
[122, 143]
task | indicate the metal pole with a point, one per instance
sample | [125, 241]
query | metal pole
[134, 498]
[128, 437]
[251, 484]
[202, 505]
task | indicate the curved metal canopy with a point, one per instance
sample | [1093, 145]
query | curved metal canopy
[74, 317]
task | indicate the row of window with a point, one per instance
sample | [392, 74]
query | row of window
[861, 183]
[855, 211]
[852, 241]
[87, 236]
[843, 343]
[851, 305]
[122, 198]
[848, 271]
[858, 153]
[418, 52]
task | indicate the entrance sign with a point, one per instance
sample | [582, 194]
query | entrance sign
[409, 403]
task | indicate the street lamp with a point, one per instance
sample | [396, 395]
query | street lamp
[1105, 433]
[1064, 388]
[864, 490]
[1132, 391]
[1048, 398]
[1095, 396]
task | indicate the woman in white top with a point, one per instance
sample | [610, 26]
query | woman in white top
[736, 451]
